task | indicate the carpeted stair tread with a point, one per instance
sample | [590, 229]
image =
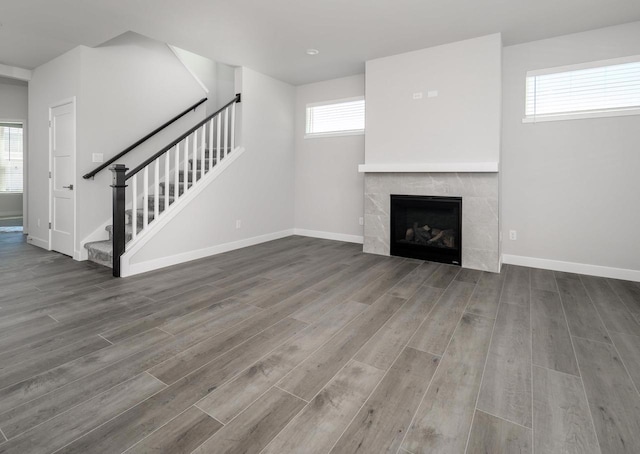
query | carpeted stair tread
[128, 231]
[181, 177]
[199, 163]
[100, 252]
[140, 213]
[161, 201]
[172, 188]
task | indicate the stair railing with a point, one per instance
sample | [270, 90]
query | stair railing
[176, 169]
[142, 140]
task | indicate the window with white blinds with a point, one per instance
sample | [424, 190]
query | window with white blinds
[11, 143]
[339, 117]
[596, 89]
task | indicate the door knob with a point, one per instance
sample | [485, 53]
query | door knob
[70, 187]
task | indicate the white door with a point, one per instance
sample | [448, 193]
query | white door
[62, 134]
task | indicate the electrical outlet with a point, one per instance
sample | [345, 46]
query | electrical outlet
[417, 95]
[513, 235]
[238, 223]
[361, 220]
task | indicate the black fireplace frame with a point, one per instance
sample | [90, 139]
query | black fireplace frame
[424, 252]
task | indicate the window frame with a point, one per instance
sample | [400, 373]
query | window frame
[316, 135]
[594, 113]
[22, 125]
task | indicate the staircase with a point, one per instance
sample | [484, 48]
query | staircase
[147, 192]
[101, 252]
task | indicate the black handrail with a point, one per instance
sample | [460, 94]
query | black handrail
[144, 139]
[181, 138]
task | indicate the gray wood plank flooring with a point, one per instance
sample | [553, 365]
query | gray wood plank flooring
[629, 348]
[455, 388]
[320, 423]
[383, 348]
[382, 422]
[506, 388]
[613, 398]
[561, 415]
[435, 332]
[181, 435]
[498, 436]
[309, 345]
[254, 428]
[551, 341]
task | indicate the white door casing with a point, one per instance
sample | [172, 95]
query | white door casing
[62, 152]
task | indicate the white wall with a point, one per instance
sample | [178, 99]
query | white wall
[217, 78]
[50, 83]
[329, 191]
[225, 77]
[13, 99]
[461, 124]
[11, 204]
[570, 188]
[130, 86]
[257, 188]
[204, 71]
[13, 106]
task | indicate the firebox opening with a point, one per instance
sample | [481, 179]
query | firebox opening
[427, 228]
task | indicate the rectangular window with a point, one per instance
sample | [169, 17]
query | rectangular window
[11, 141]
[597, 89]
[335, 118]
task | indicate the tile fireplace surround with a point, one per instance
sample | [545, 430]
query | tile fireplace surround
[480, 221]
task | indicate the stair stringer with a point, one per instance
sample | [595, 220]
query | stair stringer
[171, 212]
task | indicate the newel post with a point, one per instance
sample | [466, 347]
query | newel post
[118, 232]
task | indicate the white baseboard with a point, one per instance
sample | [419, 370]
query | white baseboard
[10, 214]
[44, 244]
[572, 267]
[175, 208]
[329, 235]
[130, 269]
[81, 255]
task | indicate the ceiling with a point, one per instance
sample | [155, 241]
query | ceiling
[271, 36]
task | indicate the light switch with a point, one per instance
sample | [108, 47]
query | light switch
[97, 157]
[432, 93]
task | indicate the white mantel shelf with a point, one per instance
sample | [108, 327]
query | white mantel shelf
[430, 167]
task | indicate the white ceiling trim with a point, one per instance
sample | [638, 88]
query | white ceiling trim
[13, 72]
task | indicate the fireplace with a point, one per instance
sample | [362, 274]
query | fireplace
[427, 228]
